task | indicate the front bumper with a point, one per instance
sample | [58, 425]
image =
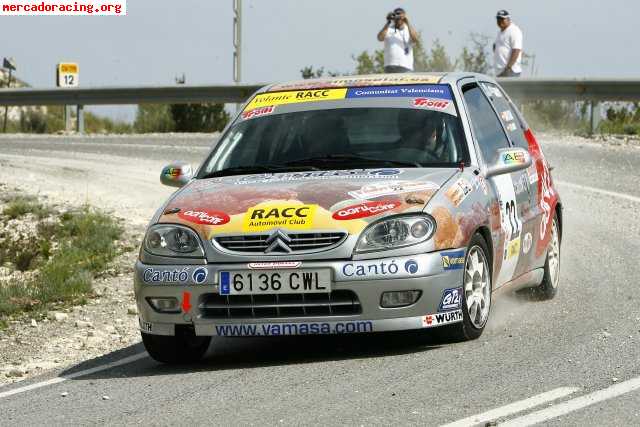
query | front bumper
[367, 279]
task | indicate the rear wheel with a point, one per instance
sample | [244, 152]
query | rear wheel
[184, 347]
[476, 301]
[549, 286]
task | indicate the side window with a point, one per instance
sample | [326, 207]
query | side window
[486, 126]
[509, 116]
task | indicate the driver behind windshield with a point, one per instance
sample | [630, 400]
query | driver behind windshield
[419, 131]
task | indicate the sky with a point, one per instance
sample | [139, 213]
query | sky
[161, 39]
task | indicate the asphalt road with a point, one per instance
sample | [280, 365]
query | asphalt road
[579, 351]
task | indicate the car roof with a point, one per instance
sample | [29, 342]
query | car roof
[374, 80]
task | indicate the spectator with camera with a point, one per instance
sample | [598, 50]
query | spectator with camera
[398, 37]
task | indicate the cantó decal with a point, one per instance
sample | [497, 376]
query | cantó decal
[204, 216]
[318, 175]
[411, 266]
[166, 275]
[453, 260]
[199, 275]
[265, 217]
[383, 268]
[365, 209]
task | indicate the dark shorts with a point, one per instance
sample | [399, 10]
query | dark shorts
[396, 69]
[509, 73]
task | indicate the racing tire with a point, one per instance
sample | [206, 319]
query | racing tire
[476, 295]
[549, 286]
[184, 347]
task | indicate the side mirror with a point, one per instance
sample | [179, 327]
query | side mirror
[509, 160]
[176, 174]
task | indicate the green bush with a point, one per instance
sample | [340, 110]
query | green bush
[86, 247]
[153, 118]
[623, 119]
[33, 121]
[21, 205]
[199, 117]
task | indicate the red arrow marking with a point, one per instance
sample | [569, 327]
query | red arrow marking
[186, 301]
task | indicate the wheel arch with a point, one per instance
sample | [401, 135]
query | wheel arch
[486, 235]
[558, 211]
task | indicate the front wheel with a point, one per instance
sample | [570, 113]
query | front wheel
[184, 347]
[476, 301]
[549, 286]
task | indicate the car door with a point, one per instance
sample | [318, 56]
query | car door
[527, 179]
[512, 199]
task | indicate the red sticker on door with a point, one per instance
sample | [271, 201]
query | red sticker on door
[204, 216]
[365, 209]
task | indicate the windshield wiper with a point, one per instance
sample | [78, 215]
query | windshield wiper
[349, 158]
[251, 169]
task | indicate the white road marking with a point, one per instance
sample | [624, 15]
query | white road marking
[599, 191]
[574, 404]
[514, 408]
[90, 371]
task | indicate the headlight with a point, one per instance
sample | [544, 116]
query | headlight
[172, 240]
[396, 232]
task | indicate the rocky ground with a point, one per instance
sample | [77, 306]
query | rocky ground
[33, 343]
[622, 141]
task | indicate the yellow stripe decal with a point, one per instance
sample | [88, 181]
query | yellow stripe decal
[293, 97]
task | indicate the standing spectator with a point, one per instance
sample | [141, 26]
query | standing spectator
[507, 50]
[398, 37]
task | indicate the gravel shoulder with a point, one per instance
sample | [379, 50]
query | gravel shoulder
[36, 341]
[68, 173]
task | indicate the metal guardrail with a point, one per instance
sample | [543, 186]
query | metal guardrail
[127, 95]
[520, 88]
[571, 89]
[568, 89]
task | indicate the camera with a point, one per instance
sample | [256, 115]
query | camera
[392, 16]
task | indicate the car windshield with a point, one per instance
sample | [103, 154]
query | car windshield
[340, 138]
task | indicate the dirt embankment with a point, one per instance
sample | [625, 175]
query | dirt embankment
[53, 311]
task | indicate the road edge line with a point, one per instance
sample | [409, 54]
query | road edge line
[514, 408]
[574, 404]
[599, 191]
[73, 375]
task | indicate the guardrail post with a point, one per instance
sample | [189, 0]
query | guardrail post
[595, 116]
[80, 119]
[67, 118]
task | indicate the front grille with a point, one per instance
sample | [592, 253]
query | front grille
[335, 303]
[300, 242]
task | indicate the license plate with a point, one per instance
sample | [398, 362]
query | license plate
[251, 282]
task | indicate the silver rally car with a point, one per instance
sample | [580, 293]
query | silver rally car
[351, 205]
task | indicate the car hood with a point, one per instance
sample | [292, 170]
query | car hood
[302, 201]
